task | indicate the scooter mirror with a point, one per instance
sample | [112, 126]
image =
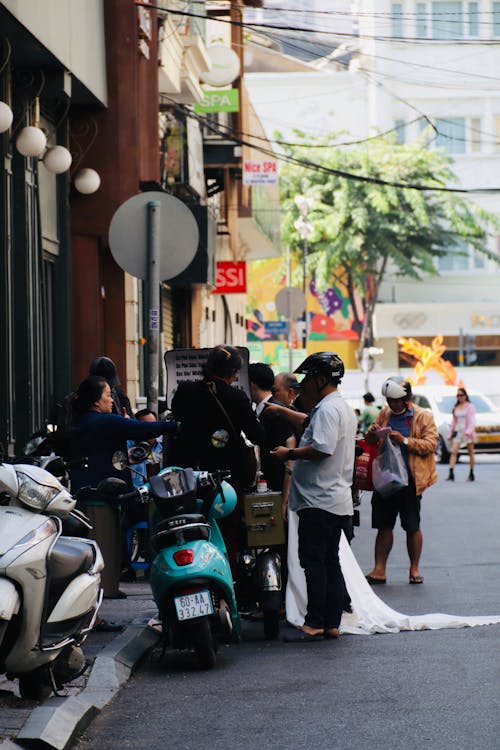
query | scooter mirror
[112, 486]
[119, 460]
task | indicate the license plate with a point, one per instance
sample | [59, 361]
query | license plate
[193, 605]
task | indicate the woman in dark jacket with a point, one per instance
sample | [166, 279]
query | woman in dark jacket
[208, 439]
[96, 434]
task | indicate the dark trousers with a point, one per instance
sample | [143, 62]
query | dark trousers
[319, 537]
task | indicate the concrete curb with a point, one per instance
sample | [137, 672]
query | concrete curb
[57, 722]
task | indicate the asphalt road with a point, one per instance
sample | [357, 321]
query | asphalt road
[432, 689]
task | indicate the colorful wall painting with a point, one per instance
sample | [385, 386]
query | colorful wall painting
[330, 321]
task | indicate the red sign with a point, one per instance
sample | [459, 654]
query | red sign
[231, 278]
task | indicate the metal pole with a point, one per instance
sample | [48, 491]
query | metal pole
[153, 279]
[304, 266]
[460, 347]
[290, 324]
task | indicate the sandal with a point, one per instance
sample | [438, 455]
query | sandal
[103, 626]
[416, 579]
[375, 581]
[300, 636]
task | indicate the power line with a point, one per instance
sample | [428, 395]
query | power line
[307, 164]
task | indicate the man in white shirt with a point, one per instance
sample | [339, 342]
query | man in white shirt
[321, 492]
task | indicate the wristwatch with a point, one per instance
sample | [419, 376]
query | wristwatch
[290, 456]
[405, 441]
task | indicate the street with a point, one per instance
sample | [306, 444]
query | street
[435, 689]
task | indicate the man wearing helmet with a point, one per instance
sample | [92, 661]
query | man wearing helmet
[321, 492]
[413, 429]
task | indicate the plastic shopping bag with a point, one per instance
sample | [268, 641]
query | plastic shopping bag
[389, 471]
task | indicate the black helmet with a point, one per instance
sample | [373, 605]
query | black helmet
[397, 387]
[223, 361]
[106, 368]
[328, 364]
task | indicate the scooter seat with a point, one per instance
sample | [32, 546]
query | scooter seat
[193, 526]
[68, 558]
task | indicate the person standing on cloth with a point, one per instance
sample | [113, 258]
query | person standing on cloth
[321, 493]
[462, 431]
[414, 431]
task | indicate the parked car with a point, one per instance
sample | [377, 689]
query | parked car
[441, 400]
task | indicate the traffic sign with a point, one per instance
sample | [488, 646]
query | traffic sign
[275, 327]
[290, 302]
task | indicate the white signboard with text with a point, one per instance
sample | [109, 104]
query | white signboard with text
[187, 364]
[260, 172]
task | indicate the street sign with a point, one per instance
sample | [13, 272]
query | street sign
[230, 278]
[178, 235]
[276, 327]
[290, 302]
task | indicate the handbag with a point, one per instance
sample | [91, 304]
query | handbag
[246, 470]
[363, 464]
[389, 470]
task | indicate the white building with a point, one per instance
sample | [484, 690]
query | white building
[434, 60]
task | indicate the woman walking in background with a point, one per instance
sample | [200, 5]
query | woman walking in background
[462, 432]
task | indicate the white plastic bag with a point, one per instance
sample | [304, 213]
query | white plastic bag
[389, 471]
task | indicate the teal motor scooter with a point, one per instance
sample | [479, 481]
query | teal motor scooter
[190, 575]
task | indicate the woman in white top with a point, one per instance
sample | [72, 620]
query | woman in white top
[462, 432]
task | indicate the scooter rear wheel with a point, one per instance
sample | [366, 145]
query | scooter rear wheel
[204, 645]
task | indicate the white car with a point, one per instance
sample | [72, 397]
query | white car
[441, 400]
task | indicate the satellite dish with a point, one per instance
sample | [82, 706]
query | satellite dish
[225, 66]
[128, 233]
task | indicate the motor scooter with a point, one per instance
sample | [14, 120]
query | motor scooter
[190, 575]
[50, 588]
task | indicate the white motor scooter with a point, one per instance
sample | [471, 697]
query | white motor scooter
[50, 584]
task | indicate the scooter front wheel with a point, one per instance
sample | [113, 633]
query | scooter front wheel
[204, 643]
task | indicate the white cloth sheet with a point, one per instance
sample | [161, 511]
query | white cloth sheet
[370, 614]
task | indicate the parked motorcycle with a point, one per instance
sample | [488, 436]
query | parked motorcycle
[190, 574]
[50, 588]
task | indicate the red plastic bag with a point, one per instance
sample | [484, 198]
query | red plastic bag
[363, 466]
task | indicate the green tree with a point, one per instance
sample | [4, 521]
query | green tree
[363, 228]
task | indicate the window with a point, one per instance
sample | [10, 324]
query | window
[475, 134]
[422, 31]
[473, 19]
[447, 20]
[451, 134]
[400, 129]
[461, 257]
[496, 19]
[397, 19]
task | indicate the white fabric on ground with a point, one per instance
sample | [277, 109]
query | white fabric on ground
[370, 614]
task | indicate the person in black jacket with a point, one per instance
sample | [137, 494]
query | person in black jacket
[207, 440]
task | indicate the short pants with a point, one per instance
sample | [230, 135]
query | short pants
[406, 503]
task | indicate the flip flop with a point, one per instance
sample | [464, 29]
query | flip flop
[300, 636]
[375, 581]
[104, 626]
[416, 579]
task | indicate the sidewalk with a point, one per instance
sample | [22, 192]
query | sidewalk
[55, 723]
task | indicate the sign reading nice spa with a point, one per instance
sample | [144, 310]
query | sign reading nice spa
[230, 278]
[260, 172]
[222, 100]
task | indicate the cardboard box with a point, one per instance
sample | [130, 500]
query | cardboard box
[264, 519]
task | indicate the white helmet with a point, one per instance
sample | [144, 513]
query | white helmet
[397, 387]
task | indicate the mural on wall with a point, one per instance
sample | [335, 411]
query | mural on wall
[329, 314]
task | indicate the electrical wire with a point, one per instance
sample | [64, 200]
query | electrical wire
[307, 164]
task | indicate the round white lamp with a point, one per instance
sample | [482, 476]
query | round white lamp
[6, 117]
[31, 141]
[87, 181]
[57, 159]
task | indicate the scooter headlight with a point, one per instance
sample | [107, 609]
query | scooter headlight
[34, 494]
